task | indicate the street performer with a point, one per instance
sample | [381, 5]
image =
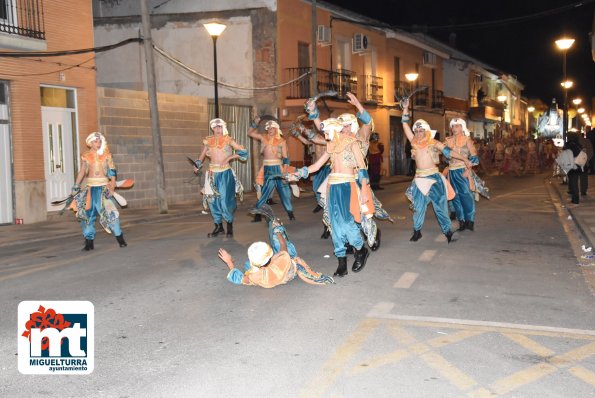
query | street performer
[460, 176]
[95, 199]
[429, 185]
[221, 184]
[273, 264]
[276, 163]
[347, 203]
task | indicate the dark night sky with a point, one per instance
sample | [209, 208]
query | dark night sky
[525, 49]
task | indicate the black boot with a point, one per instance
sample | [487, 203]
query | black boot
[257, 218]
[120, 240]
[317, 209]
[453, 215]
[271, 202]
[470, 225]
[88, 245]
[361, 256]
[229, 233]
[416, 236]
[342, 268]
[449, 238]
[218, 230]
[376, 244]
[462, 225]
[326, 233]
[348, 249]
[291, 216]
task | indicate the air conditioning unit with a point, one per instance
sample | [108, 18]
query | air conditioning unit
[323, 35]
[360, 43]
[429, 59]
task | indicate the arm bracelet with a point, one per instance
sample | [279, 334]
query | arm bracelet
[364, 117]
[253, 125]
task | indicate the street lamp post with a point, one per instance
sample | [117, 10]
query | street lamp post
[502, 99]
[215, 29]
[411, 77]
[564, 44]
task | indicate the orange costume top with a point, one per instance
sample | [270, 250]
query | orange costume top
[280, 270]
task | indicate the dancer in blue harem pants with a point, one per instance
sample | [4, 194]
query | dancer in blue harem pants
[464, 202]
[272, 180]
[224, 205]
[319, 178]
[344, 229]
[437, 196]
[97, 206]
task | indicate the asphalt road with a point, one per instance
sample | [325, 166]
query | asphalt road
[503, 311]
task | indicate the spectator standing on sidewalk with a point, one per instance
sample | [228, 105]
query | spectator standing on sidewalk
[584, 176]
[574, 174]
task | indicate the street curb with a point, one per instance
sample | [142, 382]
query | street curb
[577, 220]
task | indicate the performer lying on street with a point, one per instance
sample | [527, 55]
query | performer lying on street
[429, 185]
[272, 264]
[460, 176]
[221, 184]
[276, 161]
[348, 204]
[96, 198]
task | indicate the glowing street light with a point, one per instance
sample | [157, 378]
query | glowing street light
[564, 44]
[215, 29]
[567, 84]
[577, 101]
[531, 109]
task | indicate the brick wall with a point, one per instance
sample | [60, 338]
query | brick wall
[124, 119]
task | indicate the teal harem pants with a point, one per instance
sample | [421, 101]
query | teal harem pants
[223, 206]
[273, 180]
[344, 229]
[438, 197]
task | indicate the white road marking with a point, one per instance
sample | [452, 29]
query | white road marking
[406, 280]
[382, 310]
[427, 255]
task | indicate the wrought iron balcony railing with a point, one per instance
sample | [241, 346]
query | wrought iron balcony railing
[23, 18]
[437, 99]
[342, 81]
[373, 89]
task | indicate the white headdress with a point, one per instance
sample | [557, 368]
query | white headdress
[349, 119]
[274, 124]
[422, 124]
[92, 137]
[219, 122]
[463, 124]
[259, 253]
[331, 126]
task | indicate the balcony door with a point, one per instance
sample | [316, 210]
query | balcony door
[303, 67]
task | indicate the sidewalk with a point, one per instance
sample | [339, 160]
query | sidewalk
[65, 226]
[583, 214]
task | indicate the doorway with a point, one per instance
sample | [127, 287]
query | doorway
[6, 187]
[58, 119]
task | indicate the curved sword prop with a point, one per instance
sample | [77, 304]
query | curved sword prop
[401, 99]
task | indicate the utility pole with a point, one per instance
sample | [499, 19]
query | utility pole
[314, 77]
[154, 111]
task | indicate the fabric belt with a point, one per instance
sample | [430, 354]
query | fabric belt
[426, 172]
[97, 182]
[272, 162]
[340, 178]
[217, 168]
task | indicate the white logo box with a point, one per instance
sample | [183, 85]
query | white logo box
[80, 361]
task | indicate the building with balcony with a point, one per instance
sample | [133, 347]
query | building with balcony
[47, 104]
[269, 63]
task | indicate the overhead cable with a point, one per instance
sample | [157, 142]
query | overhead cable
[187, 68]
